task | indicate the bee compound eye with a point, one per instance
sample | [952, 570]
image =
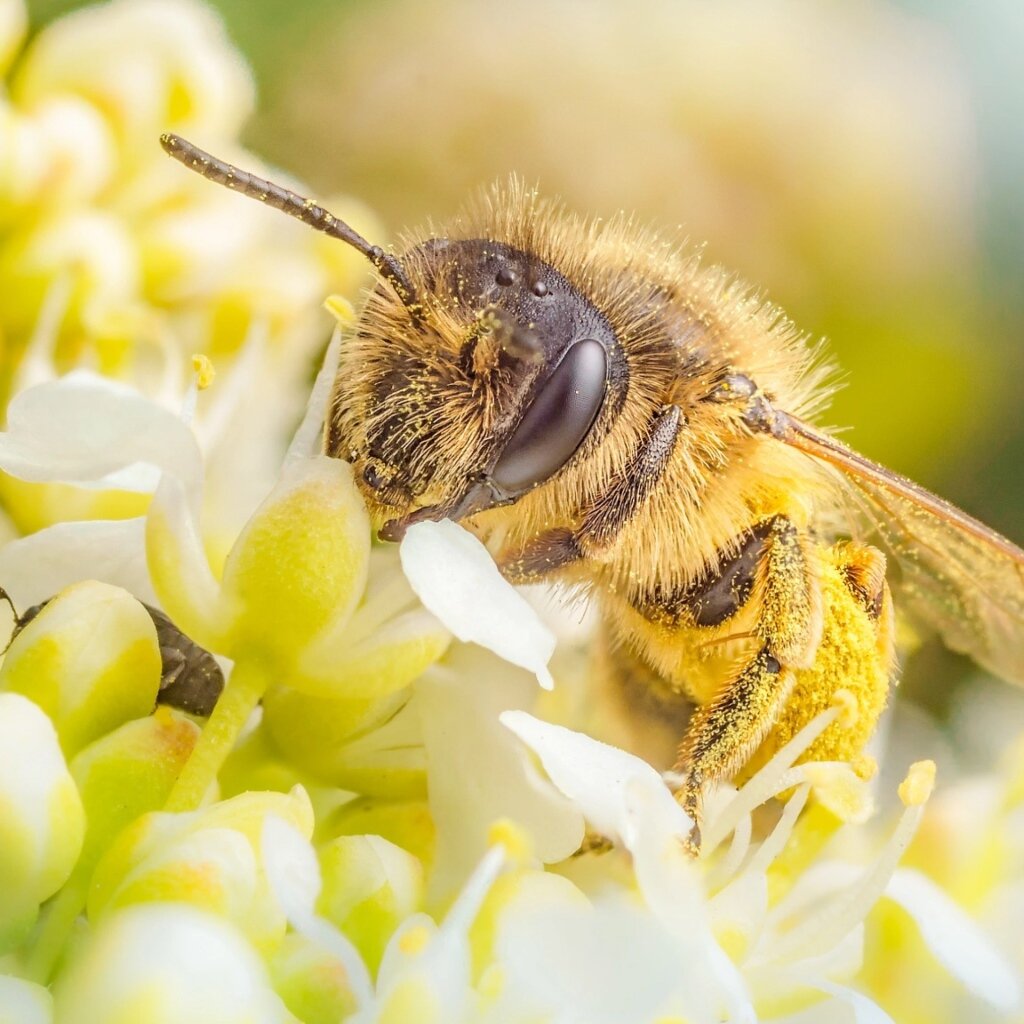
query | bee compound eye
[556, 421]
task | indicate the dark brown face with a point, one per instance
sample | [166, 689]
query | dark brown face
[485, 396]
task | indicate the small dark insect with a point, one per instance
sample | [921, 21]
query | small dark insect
[606, 412]
[190, 678]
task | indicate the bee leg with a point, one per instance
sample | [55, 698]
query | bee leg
[605, 517]
[725, 731]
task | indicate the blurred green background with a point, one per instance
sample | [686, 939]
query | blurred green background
[861, 161]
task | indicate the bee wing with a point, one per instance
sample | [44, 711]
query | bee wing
[958, 576]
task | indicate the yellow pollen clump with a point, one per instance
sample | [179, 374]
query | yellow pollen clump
[341, 309]
[414, 941]
[508, 834]
[848, 708]
[918, 785]
[864, 766]
[204, 370]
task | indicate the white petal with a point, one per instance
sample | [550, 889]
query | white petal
[597, 777]
[36, 567]
[955, 940]
[175, 551]
[23, 1002]
[293, 873]
[455, 577]
[478, 772]
[609, 963]
[93, 431]
[308, 440]
[291, 866]
[864, 1010]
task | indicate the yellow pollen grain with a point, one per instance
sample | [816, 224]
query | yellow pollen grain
[848, 708]
[918, 785]
[414, 941]
[202, 367]
[864, 766]
[341, 309]
[508, 834]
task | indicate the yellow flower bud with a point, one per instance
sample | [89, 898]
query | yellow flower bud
[311, 981]
[164, 964]
[300, 562]
[41, 818]
[407, 824]
[369, 887]
[209, 858]
[89, 659]
[367, 746]
[130, 771]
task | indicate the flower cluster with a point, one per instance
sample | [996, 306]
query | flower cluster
[385, 818]
[112, 259]
[389, 836]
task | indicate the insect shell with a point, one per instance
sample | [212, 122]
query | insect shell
[604, 411]
[190, 678]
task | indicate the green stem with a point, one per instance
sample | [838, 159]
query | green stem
[242, 693]
[54, 929]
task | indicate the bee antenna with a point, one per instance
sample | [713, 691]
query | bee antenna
[4, 596]
[294, 205]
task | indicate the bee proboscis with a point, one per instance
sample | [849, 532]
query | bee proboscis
[605, 411]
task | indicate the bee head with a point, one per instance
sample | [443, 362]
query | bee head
[480, 392]
[476, 373]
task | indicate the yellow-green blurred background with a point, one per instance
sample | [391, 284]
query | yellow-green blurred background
[862, 161]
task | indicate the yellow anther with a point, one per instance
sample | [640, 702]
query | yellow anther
[203, 368]
[864, 766]
[492, 982]
[839, 789]
[848, 708]
[508, 834]
[415, 940]
[341, 309]
[918, 785]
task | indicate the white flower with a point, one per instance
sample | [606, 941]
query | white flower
[152, 65]
[164, 964]
[41, 819]
[781, 950]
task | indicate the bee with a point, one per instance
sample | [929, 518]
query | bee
[607, 412]
[190, 678]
